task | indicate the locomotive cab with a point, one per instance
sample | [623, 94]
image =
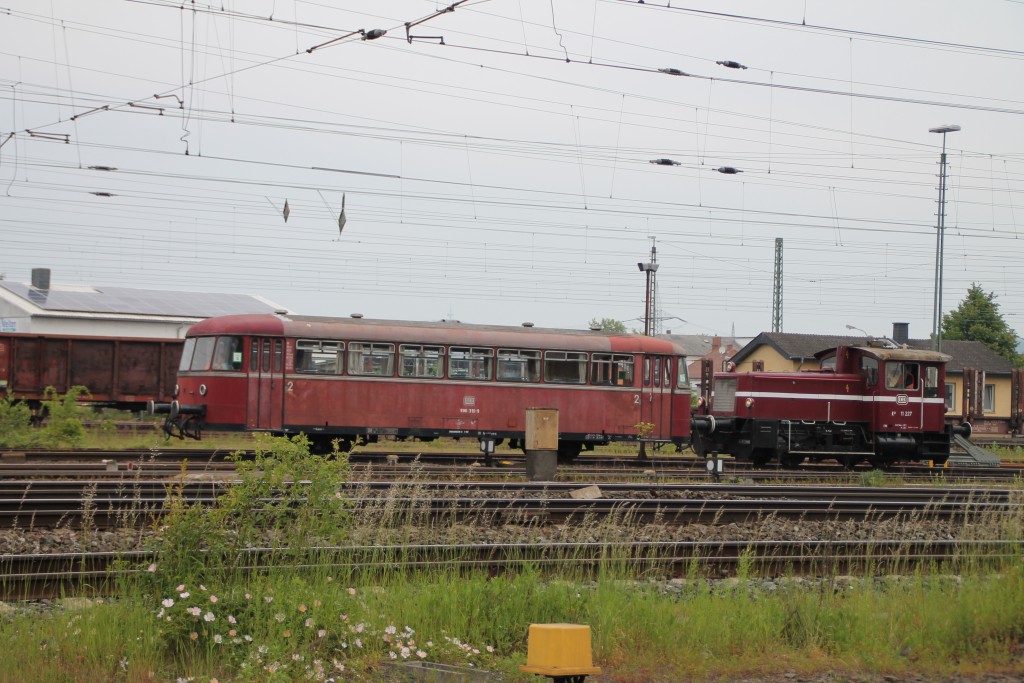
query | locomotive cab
[864, 403]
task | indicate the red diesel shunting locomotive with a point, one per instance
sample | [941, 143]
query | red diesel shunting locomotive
[354, 378]
[879, 404]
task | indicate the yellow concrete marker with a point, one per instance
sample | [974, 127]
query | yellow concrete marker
[559, 651]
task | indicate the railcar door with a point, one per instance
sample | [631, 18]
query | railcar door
[656, 395]
[264, 407]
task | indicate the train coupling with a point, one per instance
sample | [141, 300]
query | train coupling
[965, 430]
[182, 420]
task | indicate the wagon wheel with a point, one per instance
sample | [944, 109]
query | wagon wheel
[790, 461]
[568, 450]
[850, 461]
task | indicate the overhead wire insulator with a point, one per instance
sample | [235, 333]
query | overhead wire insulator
[665, 162]
[731, 64]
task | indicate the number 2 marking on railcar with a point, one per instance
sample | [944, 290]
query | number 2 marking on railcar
[636, 399]
[289, 386]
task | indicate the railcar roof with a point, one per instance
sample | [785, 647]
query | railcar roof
[444, 331]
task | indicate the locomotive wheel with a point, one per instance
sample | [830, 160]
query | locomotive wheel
[790, 461]
[761, 456]
[879, 463]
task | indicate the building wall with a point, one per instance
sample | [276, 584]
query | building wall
[773, 362]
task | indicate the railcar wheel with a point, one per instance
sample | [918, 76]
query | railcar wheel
[790, 461]
[568, 450]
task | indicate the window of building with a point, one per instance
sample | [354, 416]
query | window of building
[203, 353]
[466, 362]
[518, 365]
[611, 368]
[186, 354]
[989, 405]
[901, 376]
[227, 355]
[950, 397]
[421, 361]
[366, 358]
[565, 367]
[319, 357]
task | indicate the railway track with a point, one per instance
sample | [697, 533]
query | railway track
[105, 505]
[39, 576]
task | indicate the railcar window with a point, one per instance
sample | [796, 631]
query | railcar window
[254, 355]
[227, 355]
[186, 354]
[203, 353]
[611, 368]
[565, 367]
[319, 357]
[365, 358]
[518, 365]
[931, 382]
[466, 362]
[265, 358]
[647, 372]
[278, 355]
[901, 376]
[682, 379]
[667, 368]
[421, 361]
[869, 368]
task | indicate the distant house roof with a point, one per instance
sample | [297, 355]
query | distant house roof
[793, 346]
[698, 345]
[85, 301]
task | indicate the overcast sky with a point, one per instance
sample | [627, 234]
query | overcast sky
[496, 168]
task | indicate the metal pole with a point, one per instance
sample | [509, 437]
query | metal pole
[942, 243]
[647, 306]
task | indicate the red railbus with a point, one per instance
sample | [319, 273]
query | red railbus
[357, 378]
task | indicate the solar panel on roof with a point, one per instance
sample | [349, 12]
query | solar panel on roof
[139, 301]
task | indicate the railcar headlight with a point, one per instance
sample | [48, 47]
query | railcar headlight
[202, 390]
[749, 403]
[700, 402]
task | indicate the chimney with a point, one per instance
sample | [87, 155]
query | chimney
[41, 278]
[900, 332]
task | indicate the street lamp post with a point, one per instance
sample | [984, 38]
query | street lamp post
[940, 239]
[651, 267]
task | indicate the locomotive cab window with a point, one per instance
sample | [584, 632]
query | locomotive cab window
[931, 382]
[466, 362]
[901, 376]
[869, 368]
[371, 359]
[421, 361]
[518, 365]
[203, 354]
[565, 367]
[319, 357]
[611, 368]
[227, 354]
[186, 354]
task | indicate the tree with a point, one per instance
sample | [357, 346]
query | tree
[609, 325]
[978, 319]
